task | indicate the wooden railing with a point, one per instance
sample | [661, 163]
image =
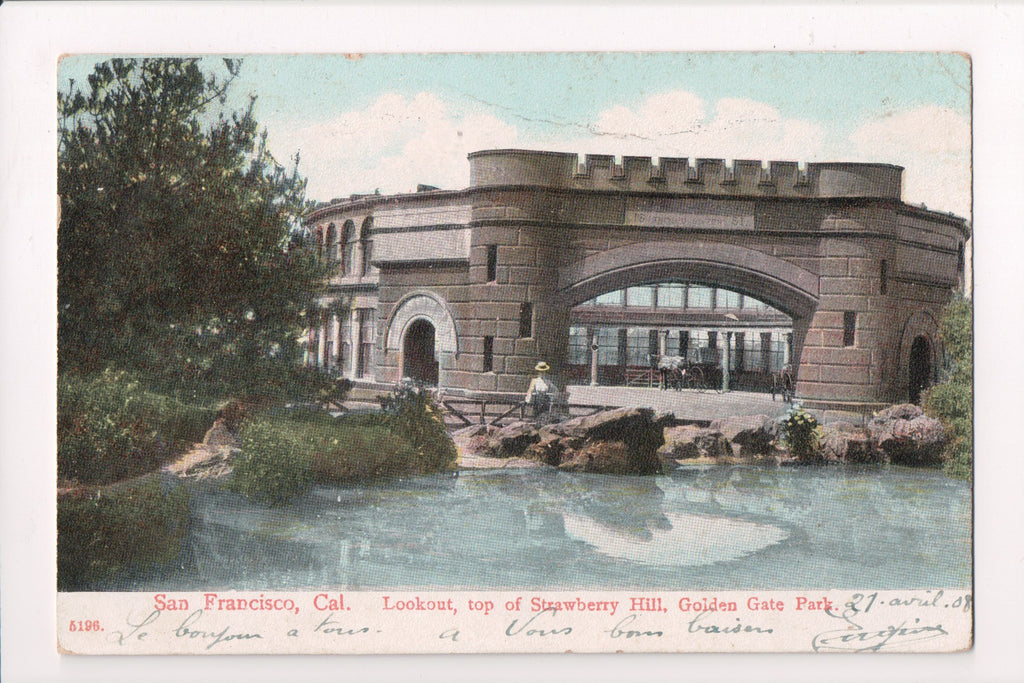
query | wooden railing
[495, 412]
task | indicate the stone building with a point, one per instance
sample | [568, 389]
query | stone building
[468, 289]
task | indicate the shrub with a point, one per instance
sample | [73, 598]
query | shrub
[103, 532]
[109, 428]
[274, 465]
[952, 401]
[410, 411]
[801, 433]
[284, 451]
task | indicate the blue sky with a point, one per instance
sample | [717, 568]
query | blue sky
[390, 121]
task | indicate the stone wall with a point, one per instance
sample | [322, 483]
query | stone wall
[825, 243]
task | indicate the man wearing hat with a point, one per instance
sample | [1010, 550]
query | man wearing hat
[541, 390]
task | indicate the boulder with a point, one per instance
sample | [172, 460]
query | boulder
[748, 434]
[606, 457]
[511, 441]
[907, 435]
[690, 441]
[842, 441]
[619, 441]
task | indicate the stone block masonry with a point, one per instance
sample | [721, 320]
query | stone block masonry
[862, 275]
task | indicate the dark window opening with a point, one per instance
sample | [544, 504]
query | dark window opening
[525, 321]
[960, 258]
[883, 277]
[492, 262]
[849, 327]
[488, 354]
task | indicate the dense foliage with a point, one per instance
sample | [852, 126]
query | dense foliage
[176, 254]
[285, 451]
[952, 401]
[101, 534]
[109, 427]
[410, 411]
[801, 433]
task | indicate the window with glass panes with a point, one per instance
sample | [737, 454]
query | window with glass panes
[699, 296]
[608, 346]
[727, 299]
[640, 297]
[579, 346]
[638, 346]
[610, 298]
[671, 295]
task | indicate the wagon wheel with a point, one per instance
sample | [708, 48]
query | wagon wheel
[694, 379]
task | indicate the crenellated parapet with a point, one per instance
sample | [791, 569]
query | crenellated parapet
[511, 167]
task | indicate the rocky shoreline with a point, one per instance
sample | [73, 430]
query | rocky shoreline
[638, 441]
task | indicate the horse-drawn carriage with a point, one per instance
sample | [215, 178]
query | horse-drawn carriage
[678, 372]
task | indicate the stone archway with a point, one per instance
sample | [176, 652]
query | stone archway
[918, 352]
[783, 285]
[423, 306]
[419, 361]
[919, 368]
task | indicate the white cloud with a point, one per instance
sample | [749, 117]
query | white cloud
[399, 141]
[678, 124]
[933, 144]
[392, 145]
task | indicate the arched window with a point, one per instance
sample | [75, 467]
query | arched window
[329, 249]
[346, 246]
[366, 241]
[319, 243]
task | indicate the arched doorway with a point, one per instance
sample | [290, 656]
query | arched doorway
[920, 370]
[418, 359]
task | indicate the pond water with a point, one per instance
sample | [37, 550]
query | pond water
[694, 528]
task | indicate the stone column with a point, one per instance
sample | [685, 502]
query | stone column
[335, 337]
[593, 357]
[321, 355]
[354, 342]
[662, 342]
[726, 348]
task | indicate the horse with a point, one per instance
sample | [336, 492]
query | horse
[673, 370]
[782, 383]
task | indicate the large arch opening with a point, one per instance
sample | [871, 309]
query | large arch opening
[618, 337]
[419, 361]
[717, 305]
[920, 368]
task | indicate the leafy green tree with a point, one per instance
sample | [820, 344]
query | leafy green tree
[952, 401]
[176, 251]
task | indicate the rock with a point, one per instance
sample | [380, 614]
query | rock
[603, 457]
[219, 435]
[749, 434]
[908, 436]
[511, 441]
[690, 441]
[842, 441]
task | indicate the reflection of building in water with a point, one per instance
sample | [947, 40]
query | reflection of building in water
[628, 328]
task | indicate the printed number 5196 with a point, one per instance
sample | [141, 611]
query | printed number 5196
[87, 625]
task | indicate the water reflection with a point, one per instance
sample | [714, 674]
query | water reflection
[710, 527]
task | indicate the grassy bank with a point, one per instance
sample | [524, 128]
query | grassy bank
[284, 452]
[104, 531]
[110, 428]
[113, 515]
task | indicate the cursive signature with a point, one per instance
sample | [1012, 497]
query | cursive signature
[858, 639]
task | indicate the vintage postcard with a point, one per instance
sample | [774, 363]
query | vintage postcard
[526, 352]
